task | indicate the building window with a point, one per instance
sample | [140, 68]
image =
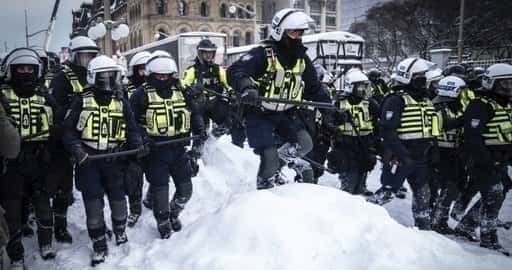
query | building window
[204, 9]
[162, 34]
[316, 18]
[248, 38]
[315, 6]
[182, 8]
[331, 6]
[236, 38]
[331, 21]
[183, 30]
[160, 7]
[227, 36]
[298, 4]
[223, 10]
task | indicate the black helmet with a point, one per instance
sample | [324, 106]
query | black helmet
[455, 70]
[206, 45]
[374, 74]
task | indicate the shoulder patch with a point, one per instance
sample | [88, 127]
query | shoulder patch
[246, 57]
[389, 115]
[475, 123]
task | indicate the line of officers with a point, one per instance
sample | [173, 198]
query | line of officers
[449, 143]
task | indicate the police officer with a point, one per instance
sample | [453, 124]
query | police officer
[488, 147]
[205, 72]
[408, 125]
[279, 68]
[450, 169]
[67, 83]
[352, 156]
[101, 121]
[164, 113]
[32, 113]
[379, 86]
[133, 173]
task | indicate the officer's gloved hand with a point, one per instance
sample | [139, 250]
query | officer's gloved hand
[79, 155]
[329, 123]
[195, 152]
[250, 96]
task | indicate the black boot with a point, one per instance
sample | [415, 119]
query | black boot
[382, 196]
[468, 234]
[62, 234]
[135, 211]
[490, 240]
[164, 228]
[176, 207]
[100, 250]
[443, 228]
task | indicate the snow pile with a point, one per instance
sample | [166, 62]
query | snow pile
[228, 225]
[303, 226]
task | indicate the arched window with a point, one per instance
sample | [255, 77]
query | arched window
[248, 38]
[160, 6]
[182, 8]
[204, 10]
[223, 10]
[236, 38]
[162, 34]
[183, 30]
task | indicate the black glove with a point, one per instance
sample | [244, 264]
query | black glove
[195, 152]
[329, 123]
[78, 155]
[194, 167]
[250, 96]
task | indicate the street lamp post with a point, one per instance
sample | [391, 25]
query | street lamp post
[111, 30]
[460, 41]
[232, 9]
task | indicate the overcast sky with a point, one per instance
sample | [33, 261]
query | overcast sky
[12, 22]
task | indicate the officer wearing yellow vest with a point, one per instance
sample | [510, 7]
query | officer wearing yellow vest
[450, 169]
[353, 154]
[67, 83]
[33, 115]
[279, 68]
[409, 125]
[488, 147]
[163, 112]
[207, 73]
[134, 174]
[101, 121]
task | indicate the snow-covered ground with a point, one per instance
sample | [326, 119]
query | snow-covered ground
[228, 225]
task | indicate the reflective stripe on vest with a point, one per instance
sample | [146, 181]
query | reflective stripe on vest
[102, 127]
[166, 116]
[465, 96]
[31, 116]
[130, 90]
[361, 115]
[73, 80]
[419, 119]
[450, 138]
[278, 82]
[499, 128]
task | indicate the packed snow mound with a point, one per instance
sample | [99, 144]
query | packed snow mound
[302, 226]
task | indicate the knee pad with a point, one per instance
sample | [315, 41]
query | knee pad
[160, 199]
[119, 210]
[94, 213]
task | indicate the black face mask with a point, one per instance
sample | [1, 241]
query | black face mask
[136, 79]
[160, 84]
[24, 83]
[290, 44]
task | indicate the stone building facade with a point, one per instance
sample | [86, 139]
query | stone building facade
[148, 18]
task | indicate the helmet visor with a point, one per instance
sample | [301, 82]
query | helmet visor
[361, 89]
[505, 86]
[107, 80]
[83, 58]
